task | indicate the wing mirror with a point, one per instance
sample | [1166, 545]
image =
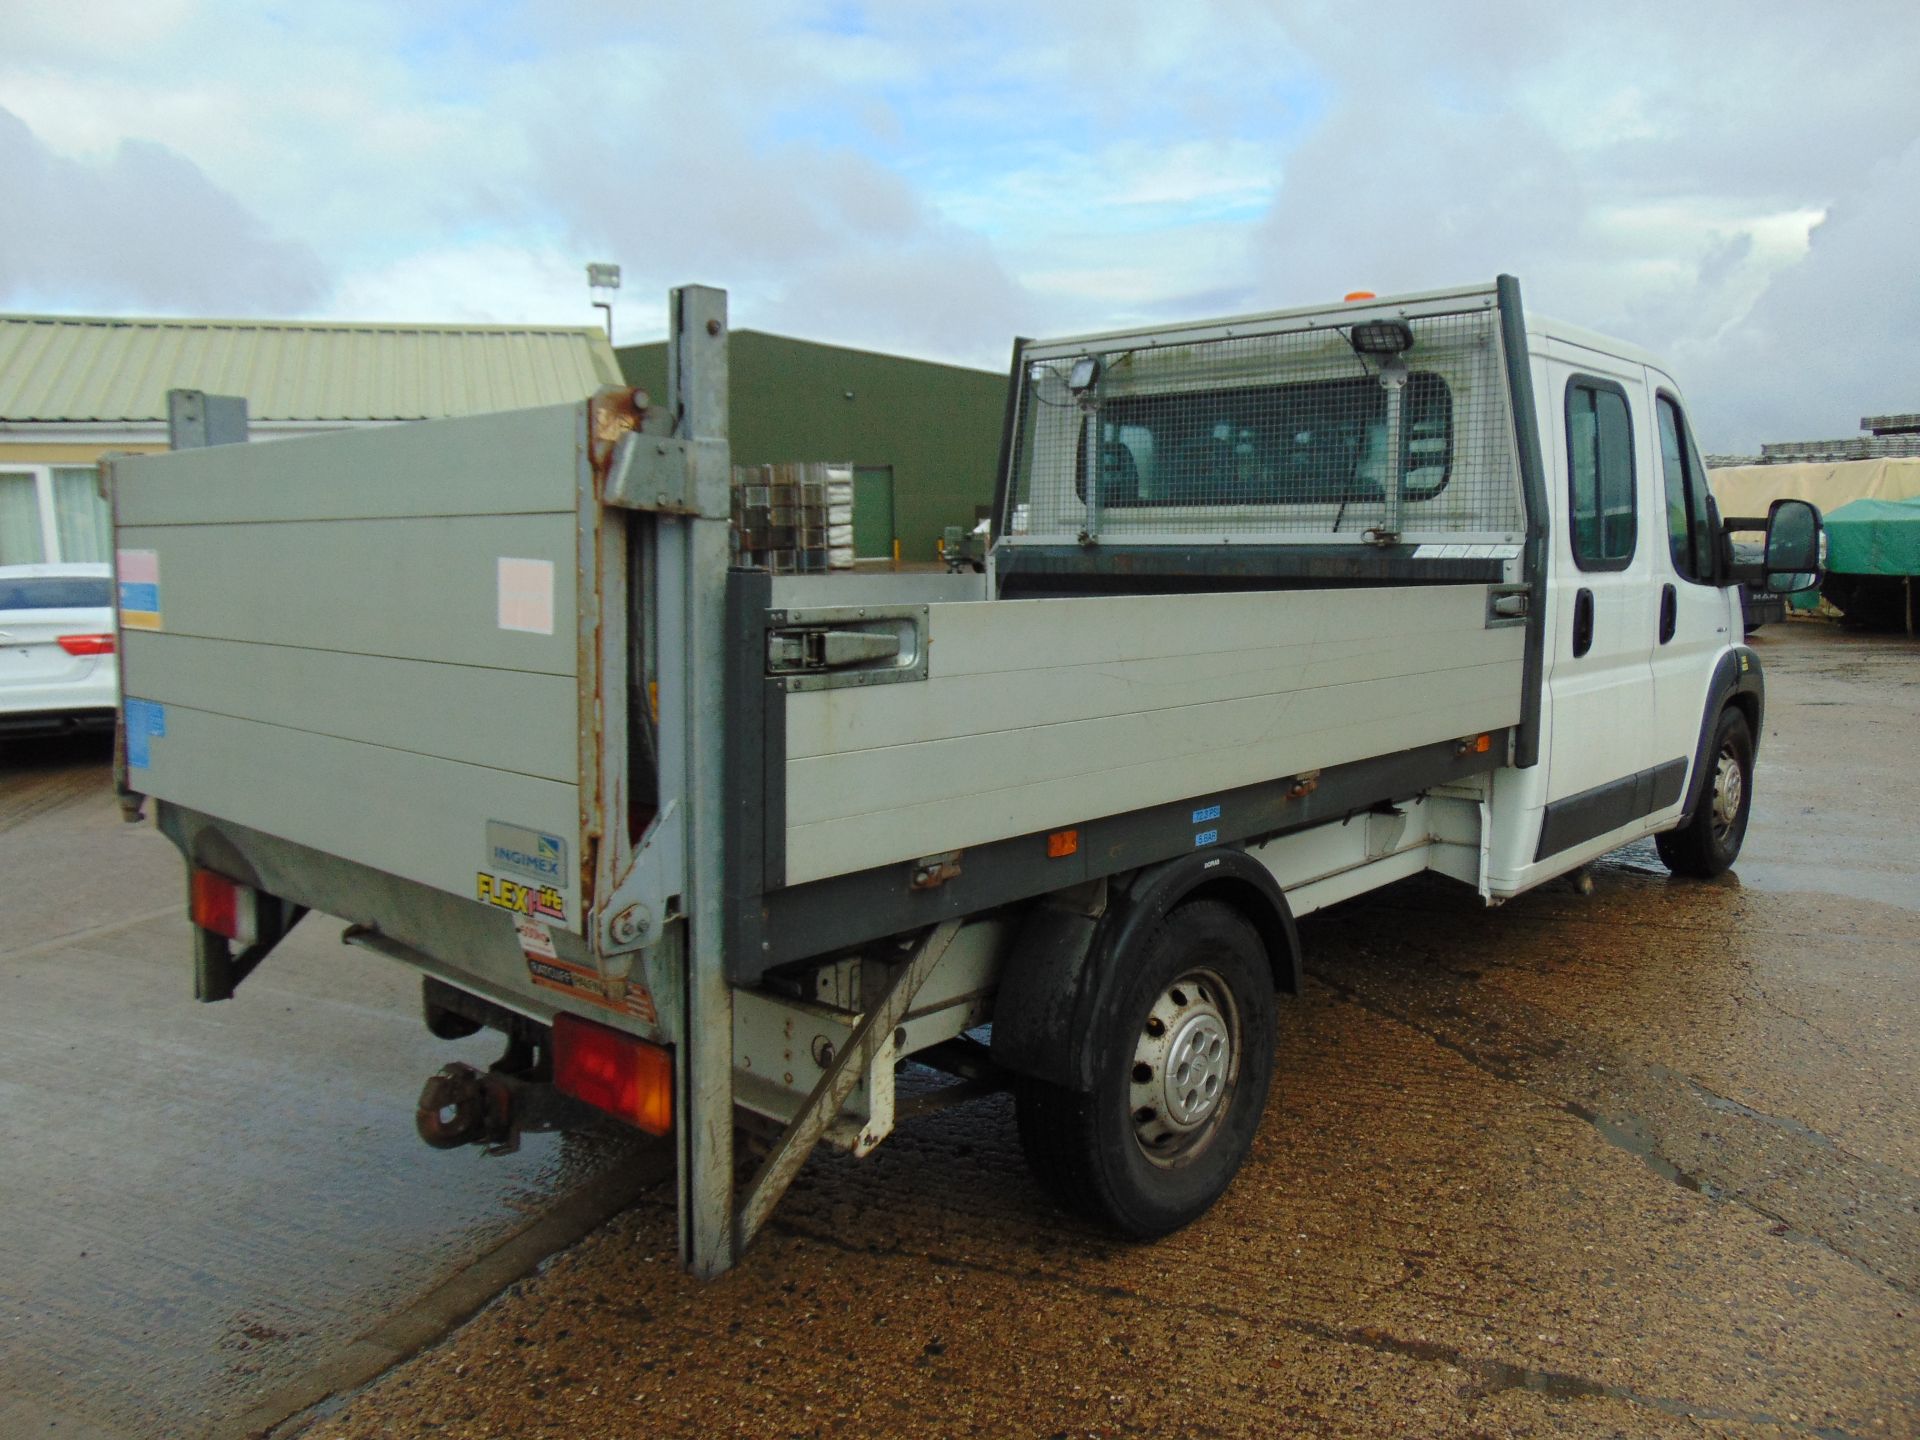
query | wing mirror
[1795, 552]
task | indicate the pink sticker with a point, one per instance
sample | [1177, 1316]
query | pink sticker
[526, 595]
[139, 567]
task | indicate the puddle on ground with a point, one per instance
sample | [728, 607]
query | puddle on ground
[1901, 891]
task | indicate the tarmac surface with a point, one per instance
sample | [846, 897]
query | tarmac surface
[1643, 1162]
[216, 1214]
[1639, 1163]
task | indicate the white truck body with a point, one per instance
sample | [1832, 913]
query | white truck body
[1333, 597]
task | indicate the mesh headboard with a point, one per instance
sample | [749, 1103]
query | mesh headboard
[1274, 429]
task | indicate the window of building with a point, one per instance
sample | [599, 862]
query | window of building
[1600, 474]
[53, 513]
[1689, 524]
[22, 536]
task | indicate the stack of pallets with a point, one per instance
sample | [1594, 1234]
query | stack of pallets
[793, 519]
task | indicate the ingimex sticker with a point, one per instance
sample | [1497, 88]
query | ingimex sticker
[532, 853]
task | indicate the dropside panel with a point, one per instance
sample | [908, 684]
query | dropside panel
[1045, 713]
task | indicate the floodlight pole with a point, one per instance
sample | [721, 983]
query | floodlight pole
[604, 276]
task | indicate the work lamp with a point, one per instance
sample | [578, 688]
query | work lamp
[1380, 337]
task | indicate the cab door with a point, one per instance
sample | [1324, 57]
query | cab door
[1695, 616]
[1600, 754]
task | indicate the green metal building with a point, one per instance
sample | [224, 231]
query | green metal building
[924, 438]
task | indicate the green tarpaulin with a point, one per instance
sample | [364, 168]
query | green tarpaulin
[1874, 537]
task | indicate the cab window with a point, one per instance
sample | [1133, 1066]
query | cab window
[1600, 474]
[1689, 524]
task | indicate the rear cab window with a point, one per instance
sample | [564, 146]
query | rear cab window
[1600, 478]
[1319, 441]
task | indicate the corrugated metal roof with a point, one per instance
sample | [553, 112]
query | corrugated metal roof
[80, 368]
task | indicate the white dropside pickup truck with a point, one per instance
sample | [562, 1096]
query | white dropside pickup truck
[1279, 610]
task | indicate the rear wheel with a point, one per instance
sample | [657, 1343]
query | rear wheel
[1183, 1050]
[1710, 842]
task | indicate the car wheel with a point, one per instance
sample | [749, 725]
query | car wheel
[1709, 843]
[1183, 1054]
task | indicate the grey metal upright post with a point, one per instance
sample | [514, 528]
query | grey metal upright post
[1393, 379]
[697, 399]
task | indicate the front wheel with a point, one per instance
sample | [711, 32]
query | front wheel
[1183, 1053]
[1709, 843]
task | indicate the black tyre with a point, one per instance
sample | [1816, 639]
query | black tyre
[1183, 1048]
[1710, 842]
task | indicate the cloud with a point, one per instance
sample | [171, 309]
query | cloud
[1651, 173]
[143, 227]
[925, 178]
[480, 282]
[1831, 338]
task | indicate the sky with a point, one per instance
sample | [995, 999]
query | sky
[1733, 186]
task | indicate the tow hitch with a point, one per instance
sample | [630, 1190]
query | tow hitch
[492, 1108]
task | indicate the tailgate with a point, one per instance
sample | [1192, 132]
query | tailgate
[368, 644]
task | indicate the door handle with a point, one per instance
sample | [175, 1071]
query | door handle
[1582, 623]
[1669, 612]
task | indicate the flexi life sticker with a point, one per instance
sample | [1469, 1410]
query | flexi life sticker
[539, 902]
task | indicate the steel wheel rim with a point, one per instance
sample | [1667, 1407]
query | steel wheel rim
[1729, 790]
[1186, 1061]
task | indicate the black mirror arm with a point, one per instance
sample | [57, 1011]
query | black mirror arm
[1735, 572]
[1721, 545]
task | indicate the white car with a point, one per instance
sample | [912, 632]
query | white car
[58, 671]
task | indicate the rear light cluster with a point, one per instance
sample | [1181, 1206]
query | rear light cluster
[226, 907]
[87, 644]
[615, 1072]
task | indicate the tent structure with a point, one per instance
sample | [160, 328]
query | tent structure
[1875, 537]
[1750, 489]
[1873, 555]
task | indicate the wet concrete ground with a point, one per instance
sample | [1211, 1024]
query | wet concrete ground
[211, 1215]
[1640, 1163]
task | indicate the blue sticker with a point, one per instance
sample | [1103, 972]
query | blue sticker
[138, 572]
[146, 721]
[1206, 837]
[135, 595]
[1212, 812]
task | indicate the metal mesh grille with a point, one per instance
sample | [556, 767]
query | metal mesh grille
[1289, 437]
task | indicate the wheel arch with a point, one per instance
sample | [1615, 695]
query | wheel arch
[1231, 876]
[1738, 683]
[1065, 957]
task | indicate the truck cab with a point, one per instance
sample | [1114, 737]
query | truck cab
[1643, 629]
